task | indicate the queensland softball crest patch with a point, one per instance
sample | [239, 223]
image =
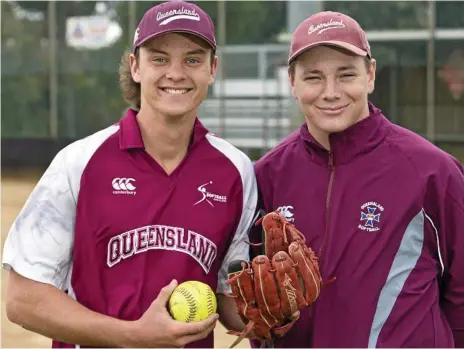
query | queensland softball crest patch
[370, 216]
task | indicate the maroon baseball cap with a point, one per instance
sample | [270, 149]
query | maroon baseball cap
[329, 28]
[175, 16]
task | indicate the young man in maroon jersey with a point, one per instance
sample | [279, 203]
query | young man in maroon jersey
[382, 207]
[120, 214]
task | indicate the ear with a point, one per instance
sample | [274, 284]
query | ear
[291, 79]
[371, 76]
[213, 70]
[134, 65]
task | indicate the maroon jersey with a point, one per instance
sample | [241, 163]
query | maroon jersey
[109, 226]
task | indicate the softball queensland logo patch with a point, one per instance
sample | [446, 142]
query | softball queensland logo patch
[370, 216]
[208, 196]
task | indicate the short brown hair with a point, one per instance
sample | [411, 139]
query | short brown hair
[129, 88]
[291, 68]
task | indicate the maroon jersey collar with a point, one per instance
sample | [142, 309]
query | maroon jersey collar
[131, 138]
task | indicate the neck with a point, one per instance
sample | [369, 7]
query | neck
[323, 137]
[165, 138]
[320, 136]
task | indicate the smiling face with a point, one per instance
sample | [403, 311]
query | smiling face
[332, 88]
[174, 71]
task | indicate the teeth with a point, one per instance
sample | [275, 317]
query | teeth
[175, 92]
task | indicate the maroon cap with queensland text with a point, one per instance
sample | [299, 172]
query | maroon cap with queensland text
[175, 16]
[329, 28]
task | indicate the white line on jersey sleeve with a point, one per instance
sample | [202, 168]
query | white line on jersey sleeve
[238, 249]
[40, 242]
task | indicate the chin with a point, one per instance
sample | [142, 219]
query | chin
[175, 111]
[176, 114]
[334, 126]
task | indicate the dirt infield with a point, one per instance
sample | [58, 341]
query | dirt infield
[15, 190]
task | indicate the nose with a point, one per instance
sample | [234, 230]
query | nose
[331, 90]
[175, 71]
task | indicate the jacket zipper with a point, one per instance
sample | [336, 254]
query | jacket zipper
[327, 205]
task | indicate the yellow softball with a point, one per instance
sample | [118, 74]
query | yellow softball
[192, 301]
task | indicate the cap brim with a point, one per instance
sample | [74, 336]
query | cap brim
[344, 45]
[176, 30]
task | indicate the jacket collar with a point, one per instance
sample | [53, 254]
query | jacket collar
[346, 145]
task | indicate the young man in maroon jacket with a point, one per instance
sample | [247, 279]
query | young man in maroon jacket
[121, 213]
[382, 207]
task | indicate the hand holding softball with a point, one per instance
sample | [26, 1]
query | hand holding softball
[192, 301]
[156, 327]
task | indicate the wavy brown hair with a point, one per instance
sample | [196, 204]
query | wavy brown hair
[129, 88]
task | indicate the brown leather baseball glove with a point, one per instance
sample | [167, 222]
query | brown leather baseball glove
[271, 289]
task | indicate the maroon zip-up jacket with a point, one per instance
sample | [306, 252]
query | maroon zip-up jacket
[384, 210]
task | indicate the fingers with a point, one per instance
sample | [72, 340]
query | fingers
[194, 331]
[266, 292]
[165, 293]
[291, 293]
[308, 271]
[199, 335]
[194, 328]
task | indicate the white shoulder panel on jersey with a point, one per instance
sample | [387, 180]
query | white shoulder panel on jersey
[238, 249]
[40, 242]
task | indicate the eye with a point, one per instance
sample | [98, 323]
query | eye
[192, 61]
[348, 75]
[312, 78]
[159, 60]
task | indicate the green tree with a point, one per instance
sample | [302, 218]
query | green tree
[89, 97]
[400, 14]
[250, 22]
[24, 77]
